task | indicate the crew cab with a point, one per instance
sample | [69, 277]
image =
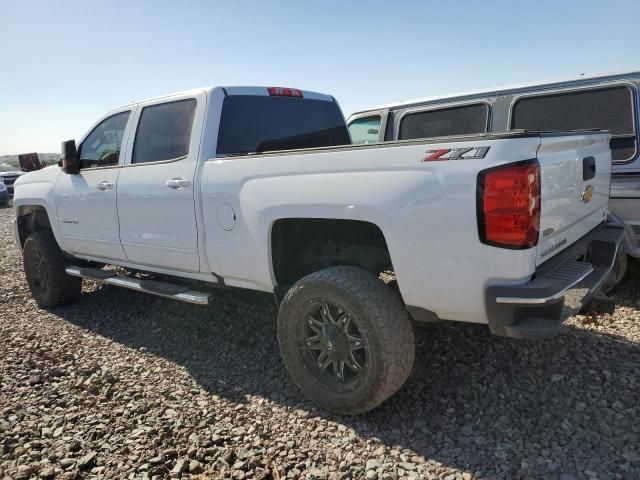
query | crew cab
[260, 188]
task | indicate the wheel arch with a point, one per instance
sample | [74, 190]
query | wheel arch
[302, 245]
[35, 217]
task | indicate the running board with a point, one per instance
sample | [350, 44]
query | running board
[154, 287]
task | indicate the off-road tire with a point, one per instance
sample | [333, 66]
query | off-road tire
[617, 273]
[383, 322]
[61, 288]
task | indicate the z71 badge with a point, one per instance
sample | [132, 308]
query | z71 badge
[442, 154]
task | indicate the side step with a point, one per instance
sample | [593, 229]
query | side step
[154, 287]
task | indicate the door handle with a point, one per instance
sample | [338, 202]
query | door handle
[104, 185]
[177, 183]
[588, 168]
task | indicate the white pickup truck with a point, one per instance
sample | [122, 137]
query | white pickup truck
[259, 188]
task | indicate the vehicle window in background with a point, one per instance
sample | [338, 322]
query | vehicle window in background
[164, 131]
[605, 108]
[101, 148]
[256, 123]
[365, 129]
[462, 120]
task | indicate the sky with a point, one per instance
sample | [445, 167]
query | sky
[64, 64]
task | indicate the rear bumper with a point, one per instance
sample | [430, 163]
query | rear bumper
[558, 289]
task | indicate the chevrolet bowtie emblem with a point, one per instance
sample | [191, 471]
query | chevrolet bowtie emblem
[587, 194]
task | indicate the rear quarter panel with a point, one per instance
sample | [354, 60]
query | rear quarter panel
[426, 211]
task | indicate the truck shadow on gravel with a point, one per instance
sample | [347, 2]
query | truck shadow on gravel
[503, 407]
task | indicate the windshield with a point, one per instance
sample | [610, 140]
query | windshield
[253, 123]
[5, 167]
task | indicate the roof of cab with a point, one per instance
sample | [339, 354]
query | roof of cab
[236, 90]
[508, 88]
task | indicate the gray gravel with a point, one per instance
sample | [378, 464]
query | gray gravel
[122, 385]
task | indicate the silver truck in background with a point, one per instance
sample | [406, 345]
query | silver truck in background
[605, 101]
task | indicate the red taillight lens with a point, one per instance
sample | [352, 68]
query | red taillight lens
[509, 205]
[284, 92]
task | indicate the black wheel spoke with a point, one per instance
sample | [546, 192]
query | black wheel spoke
[338, 369]
[313, 343]
[315, 325]
[39, 270]
[323, 361]
[327, 317]
[44, 276]
[344, 322]
[356, 343]
[353, 363]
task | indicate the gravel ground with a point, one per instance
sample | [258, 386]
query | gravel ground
[122, 385]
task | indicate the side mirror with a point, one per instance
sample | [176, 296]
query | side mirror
[70, 158]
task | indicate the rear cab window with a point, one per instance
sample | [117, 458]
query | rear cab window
[606, 108]
[256, 123]
[365, 129]
[441, 122]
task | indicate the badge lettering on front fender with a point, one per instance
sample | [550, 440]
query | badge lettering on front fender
[465, 153]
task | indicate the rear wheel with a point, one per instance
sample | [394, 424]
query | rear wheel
[617, 273]
[346, 339]
[44, 265]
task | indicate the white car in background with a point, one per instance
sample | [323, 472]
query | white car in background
[8, 175]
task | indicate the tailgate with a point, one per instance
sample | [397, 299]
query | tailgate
[575, 171]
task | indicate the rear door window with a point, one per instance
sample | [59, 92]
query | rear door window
[610, 108]
[365, 129]
[441, 122]
[256, 123]
[164, 131]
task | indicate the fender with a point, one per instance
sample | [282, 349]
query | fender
[35, 189]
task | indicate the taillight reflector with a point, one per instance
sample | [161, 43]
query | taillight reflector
[284, 92]
[509, 205]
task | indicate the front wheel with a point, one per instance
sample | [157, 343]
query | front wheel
[44, 267]
[346, 339]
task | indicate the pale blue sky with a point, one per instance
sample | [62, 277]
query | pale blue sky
[64, 63]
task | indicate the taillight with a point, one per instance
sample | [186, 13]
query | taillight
[284, 92]
[508, 205]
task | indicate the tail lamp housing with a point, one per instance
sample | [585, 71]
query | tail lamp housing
[508, 205]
